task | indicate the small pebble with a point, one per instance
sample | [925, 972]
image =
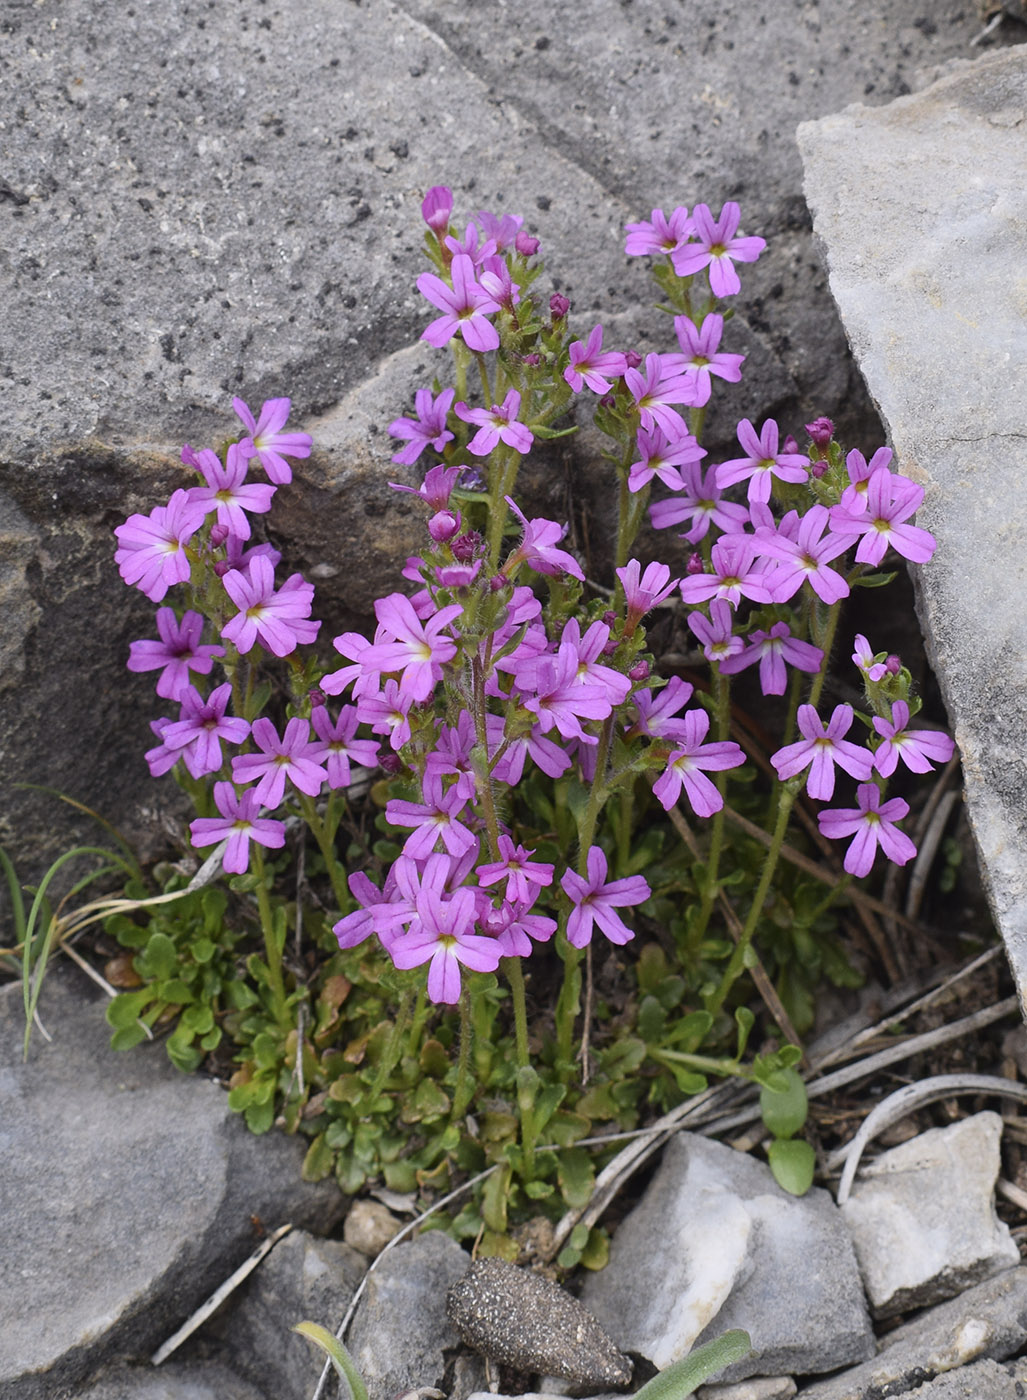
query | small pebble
[369, 1227]
[522, 1320]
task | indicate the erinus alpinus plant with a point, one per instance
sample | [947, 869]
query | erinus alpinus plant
[540, 909]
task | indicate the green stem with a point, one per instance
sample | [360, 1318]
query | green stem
[464, 1088]
[393, 1046]
[326, 846]
[515, 976]
[271, 948]
[722, 714]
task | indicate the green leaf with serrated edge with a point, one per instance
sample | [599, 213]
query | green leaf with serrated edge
[684, 1377]
[784, 1109]
[337, 1353]
[793, 1163]
[259, 1117]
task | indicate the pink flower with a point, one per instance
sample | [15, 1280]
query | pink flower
[497, 424]
[642, 594]
[427, 429]
[658, 234]
[152, 554]
[772, 649]
[890, 501]
[416, 649]
[561, 699]
[820, 748]
[589, 363]
[271, 445]
[872, 823]
[465, 305]
[387, 713]
[919, 749]
[337, 748]
[436, 816]
[538, 548]
[717, 248]
[278, 620]
[501, 229]
[226, 490]
[736, 574]
[239, 823]
[687, 762]
[655, 391]
[292, 756]
[718, 641]
[596, 901]
[863, 657]
[656, 710]
[524, 877]
[763, 462]
[700, 356]
[436, 208]
[202, 724]
[854, 497]
[441, 936]
[699, 501]
[178, 652]
[660, 456]
[804, 556]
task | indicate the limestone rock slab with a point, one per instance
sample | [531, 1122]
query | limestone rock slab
[132, 1186]
[921, 207]
[717, 1244]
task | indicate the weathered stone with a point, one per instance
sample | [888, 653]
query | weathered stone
[173, 1381]
[791, 1281]
[400, 1335]
[763, 1388]
[983, 1380]
[520, 1319]
[922, 1217]
[922, 209]
[986, 1322]
[369, 1227]
[133, 1188]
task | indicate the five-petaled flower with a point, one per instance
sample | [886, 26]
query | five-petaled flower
[872, 823]
[820, 748]
[240, 823]
[919, 749]
[270, 444]
[178, 652]
[151, 552]
[465, 305]
[688, 760]
[596, 901]
[717, 247]
[279, 619]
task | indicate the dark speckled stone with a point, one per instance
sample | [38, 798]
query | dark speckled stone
[520, 1319]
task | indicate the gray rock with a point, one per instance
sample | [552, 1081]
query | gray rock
[302, 1279]
[986, 1322]
[400, 1334]
[520, 1319]
[795, 1289]
[763, 1388]
[172, 1381]
[132, 1186]
[922, 209]
[983, 1380]
[369, 1227]
[228, 203]
[922, 1217]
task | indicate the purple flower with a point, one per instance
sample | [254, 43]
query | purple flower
[538, 548]
[890, 501]
[717, 248]
[854, 497]
[271, 445]
[804, 556]
[178, 652]
[641, 594]
[436, 208]
[660, 456]
[820, 748]
[919, 749]
[336, 746]
[524, 877]
[387, 713]
[763, 462]
[589, 363]
[872, 823]
[596, 901]
[291, 756]
[441, 936]
[699, 502]
[403, 643]
[514, 928]
[772, 649]
[465, 305]
[427, 429]
[736, 574]
[197, 733]
[686, 764]
[436, 816]
[561, 699]
[656, 710]
[615, 685]
[240, 823]
[863, 657]
[497, 424]
[278, 620]
[151, 555]
[226, 491]
[700, 356]
[655, 391]
[501, 229]
[718, 641]
[658, 234]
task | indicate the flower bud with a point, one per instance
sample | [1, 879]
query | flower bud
[694, 565]
[465, 547]
[609, 617]
[558, 306]
[818, 468]
[532, 359]
[607, 401]
[821, 431]
[633, 358]
[526, 245]
[317, 698]
[471, 479]
[218, 534]
[609, 647]
[390, 763]
[436, 208]
[789, 444]
[222, 567]
[893, 665]
[497, 582]
[443, 525]
[639, 672]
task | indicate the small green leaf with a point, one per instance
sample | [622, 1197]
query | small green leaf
[494, 1199]
[793, 1162]
[784, 1109]
[683, 1377]
[576, 1176]
[340, 1357]
[159, 958]
[319, 1161]
[596, 1254]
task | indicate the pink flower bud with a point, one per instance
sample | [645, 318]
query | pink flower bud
[609, 617]
[694, 565]
[317, 698]
[558, 306]
[218, 535]
[639, 672]
[391, 763]
[607, 401]
[633, 358]
[526, 245]
[465, 547]
[443, 525]
[436, 208]
[497, 582]
[818, 469]
[222, 567]
[532, 359]
[609, 647]
[893, 665]
[821, 431]
[789, 444]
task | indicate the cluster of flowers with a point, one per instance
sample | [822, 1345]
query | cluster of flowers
[463, 683]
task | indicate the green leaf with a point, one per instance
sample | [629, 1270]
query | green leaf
[872, 580]
[159, 959]
[576, 1176]
[793, 1162]
[784, 1109]
[744, 1020]
[123, 1012]
[260, 1117]
[685, 1376]
[596, 1254]
[494, 1197]
[319, 1161]
[127, 1037]
[337, 1353]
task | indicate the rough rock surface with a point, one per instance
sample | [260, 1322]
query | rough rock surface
[200, 201]
[132, 1186]
[173, 1381]
[796, 1291]
[922, 209]
[922, 1217]
[519, 1319]
[760, 1388]
[400, 1335]
[987, 1322]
